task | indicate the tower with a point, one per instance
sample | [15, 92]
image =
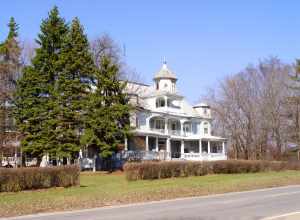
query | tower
[165, 79]
[203, 110]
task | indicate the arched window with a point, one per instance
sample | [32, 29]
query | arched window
[160, 102]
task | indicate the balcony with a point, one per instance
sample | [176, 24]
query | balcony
[186, 134]
[162, 131]
[171, 132]
[170, 126]
[174, 132]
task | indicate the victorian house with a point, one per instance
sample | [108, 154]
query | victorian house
[167, 126]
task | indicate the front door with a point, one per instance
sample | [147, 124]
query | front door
[175, 149]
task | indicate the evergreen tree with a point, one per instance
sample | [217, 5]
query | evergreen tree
[76, 69]
[9, 62]
[36, 103]
[107, 121]
[9, 71]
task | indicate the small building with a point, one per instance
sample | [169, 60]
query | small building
[166, 124]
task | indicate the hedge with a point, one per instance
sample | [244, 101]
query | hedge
[17, 179]
[169, 169]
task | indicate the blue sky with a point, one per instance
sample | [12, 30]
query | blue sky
[202, 40]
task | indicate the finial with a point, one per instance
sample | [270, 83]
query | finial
[164, 60]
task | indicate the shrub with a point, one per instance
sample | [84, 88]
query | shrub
[168, 169]
[17, 179]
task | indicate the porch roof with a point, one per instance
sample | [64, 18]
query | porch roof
[151, 133]
[215, 138]
[209, 138]
[175, 137]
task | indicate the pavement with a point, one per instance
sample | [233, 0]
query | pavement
[282, 203]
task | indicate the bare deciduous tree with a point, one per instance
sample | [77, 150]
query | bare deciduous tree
[250, 109]
[105, 46]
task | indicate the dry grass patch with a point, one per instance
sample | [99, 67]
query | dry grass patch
[102, 189]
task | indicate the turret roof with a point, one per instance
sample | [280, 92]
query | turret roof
[165, 73]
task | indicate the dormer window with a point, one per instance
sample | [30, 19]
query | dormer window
[160, 102]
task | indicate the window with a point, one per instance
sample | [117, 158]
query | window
[187, 128]
[195, 127]
[173, 87]
[160, 102]
[162, 144]
[175, 125]
[204, 146]
[205, 128]
[157, 85]
[137, 124]
[216, 147]
[159, 124]
[169, 102]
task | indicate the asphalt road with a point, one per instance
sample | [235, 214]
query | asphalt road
[258, 204]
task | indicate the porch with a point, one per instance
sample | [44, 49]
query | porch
[166, 148]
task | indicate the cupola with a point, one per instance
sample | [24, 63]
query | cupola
[165, 79]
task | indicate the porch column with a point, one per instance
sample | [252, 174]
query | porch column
[200, 146]
[166, 126]
[125, 143]
[208, 147]
[181, 128]
[156, 144]
[166, 103]
[223, 147]
[147, 143]
[182, 149]
[168, 149]
[148, 123]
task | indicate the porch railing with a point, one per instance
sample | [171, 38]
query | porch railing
[175, 132]
[144, 155]
[158, 130]
[163, 155]
[172, 132]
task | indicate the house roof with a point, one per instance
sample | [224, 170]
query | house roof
[165, 73]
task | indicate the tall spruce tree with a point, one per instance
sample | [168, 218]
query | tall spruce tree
[107, 120]
[9, 70]
[36, 104]
[76, 70]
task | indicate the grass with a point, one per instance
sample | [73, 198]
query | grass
[102, 189]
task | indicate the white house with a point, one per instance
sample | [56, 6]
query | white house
[167, 125]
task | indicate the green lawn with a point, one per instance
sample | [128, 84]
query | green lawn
[110, 189]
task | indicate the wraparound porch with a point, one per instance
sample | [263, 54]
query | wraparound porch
[172, 149]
